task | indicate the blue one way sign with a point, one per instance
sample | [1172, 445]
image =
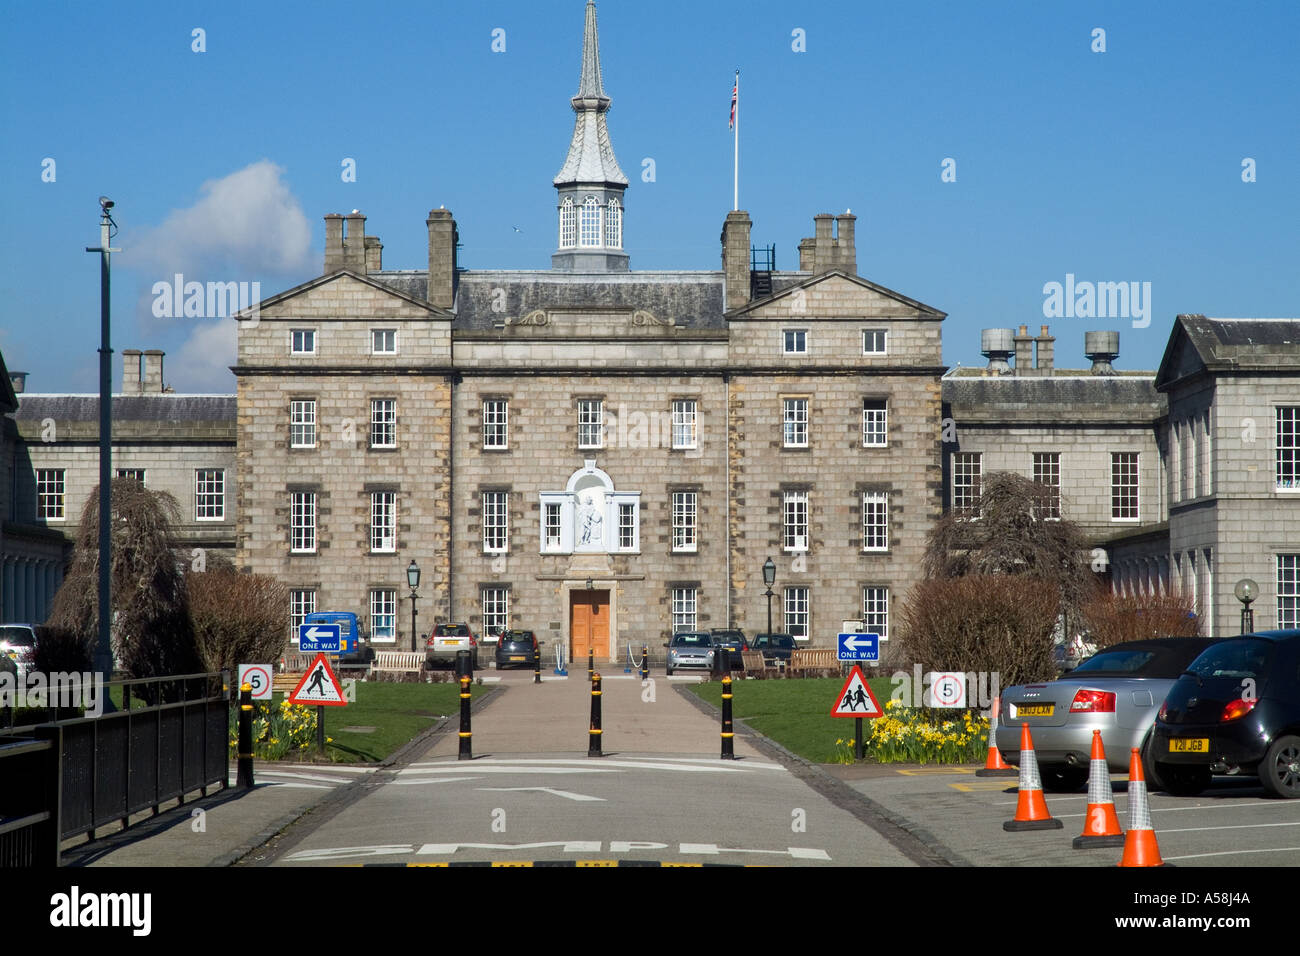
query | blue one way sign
[314, 638]
[858, 647]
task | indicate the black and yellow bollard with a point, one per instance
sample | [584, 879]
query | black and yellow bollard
[537, 665]
[593, 737]
[466, 747]
[244, 776]
[645, 662]
[591, 662]
[728, 736]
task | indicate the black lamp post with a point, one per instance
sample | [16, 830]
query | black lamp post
[413, 580]
[769, 578]
[1246, 591]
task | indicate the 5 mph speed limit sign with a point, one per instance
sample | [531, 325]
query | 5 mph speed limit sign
[258, 676]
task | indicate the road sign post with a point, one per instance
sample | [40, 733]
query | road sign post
[317, 638]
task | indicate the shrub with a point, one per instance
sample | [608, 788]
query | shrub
[62, 649]
[1112, 618]
[238, 618]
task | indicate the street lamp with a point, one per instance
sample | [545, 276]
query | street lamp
[413, 580]
[1246, 591]
[769, 578]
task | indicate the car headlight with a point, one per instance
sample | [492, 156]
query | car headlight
[709, 656]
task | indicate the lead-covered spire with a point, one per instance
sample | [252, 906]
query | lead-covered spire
[591, 155]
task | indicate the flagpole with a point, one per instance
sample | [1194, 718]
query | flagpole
[735, 196]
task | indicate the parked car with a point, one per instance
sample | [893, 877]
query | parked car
[447, 639]
[1118, 691]
[18, 644]
[733, 639]
[515, 649]
[775, 647]
[693, 649]
[1235, 710]
[359, 654]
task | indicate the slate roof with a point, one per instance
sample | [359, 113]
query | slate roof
[1065, 399]
[1235, 344]
[167, 407]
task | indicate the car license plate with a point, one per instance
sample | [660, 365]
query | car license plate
[1034, 710]
[516, 657]
[1189, 745]
[451, 641]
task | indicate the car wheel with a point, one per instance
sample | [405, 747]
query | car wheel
[1058, 778]
[669, 671]
[1279, 771]
[1183, 781]
[1153, 778]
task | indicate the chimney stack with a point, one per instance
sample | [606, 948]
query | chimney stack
[354, 243]
[832, 246]
[374, 254]
[18, 380]
[1044, 353]
[442, 259]
[735, 259]
[333, 243]
[131, 377]
[153, 372]
[1024, 343]
[846, 244]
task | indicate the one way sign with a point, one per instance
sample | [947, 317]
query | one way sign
[858, 647]
[314, 638]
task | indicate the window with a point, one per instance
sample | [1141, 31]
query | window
[1207, 454]
[589, 223]
[302, 522]
[134, 474]
[209, 494]
[873, 341]
[1047, 472]
[49, 494]
[383, 521]
[684, 520]
[626, 527]
[1123, 486]
[684, 435]
[567, 230]
[496, 610]
[614, 224]
[966, 481]
[301, 603]
[1288, 448]
[551, 533]
[796, 422]
[302, 423]
[796, 611]
[875, 423]
[794, 341]
[590, 431]
[383, 615]
[302, 341]
[875, 611]
[794, 521]
[685, 603]
[496, 423]
[875, 521]
[1288, 590]
[496, 521]
[383, 341]
[383, 423]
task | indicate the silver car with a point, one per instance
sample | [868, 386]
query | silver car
[693, 649]
[1118, 691]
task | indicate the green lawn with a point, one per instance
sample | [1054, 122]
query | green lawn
[796, 712]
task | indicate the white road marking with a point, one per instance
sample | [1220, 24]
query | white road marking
[342, 852]
[1235, 826]
[584, 765]
[570, 846]
[423, 780]
[567, 794]
[1208, 806]
[1271, 849]
[794, 852]
[500, 768]
[298, 776]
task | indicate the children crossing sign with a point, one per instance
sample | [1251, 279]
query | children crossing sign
[319, 686]
[856, 699]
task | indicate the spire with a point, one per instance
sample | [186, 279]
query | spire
[591, 155]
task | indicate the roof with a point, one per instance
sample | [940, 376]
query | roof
[1058, 400]
[591, 154]
[1200, 343]
[163, 407]
[8, 400]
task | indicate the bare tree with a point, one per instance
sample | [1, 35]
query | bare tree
[238, 618]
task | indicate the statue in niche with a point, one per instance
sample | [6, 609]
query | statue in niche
[590, 519]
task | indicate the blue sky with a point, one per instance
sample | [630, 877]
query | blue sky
[1115, 166]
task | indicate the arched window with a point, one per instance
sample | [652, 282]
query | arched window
[614, 225]
[589, 223]
[566, 224]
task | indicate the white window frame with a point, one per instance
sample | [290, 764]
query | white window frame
[302, 522]
[210, 494]
[302, 423]
[685, 513]
[552, 526]
[590, 219]
[875, 423]
[299, 337]
[1288, 590]
[875, 610]
[685, 423]
[1046, 467]
[51, 494]
[383, 422]
[796, 611]
[1286, 456]
[627, 529]
[794, 341]
[875, 521]
[794, 422]
[794, 522]
[383, 615]
[496, 522]
[378, 338]
[494, 605]
[884, 341]
[967, 481]
[614, 224]
[496, 423]
[383, 522]
[302, 601]
[685, 608]
[593, 411]
[1120, 492]
[568, 224]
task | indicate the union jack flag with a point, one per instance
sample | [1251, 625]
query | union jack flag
[735, 90]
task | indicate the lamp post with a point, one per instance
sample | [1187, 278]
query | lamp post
[769, 578]
[1246, 591]
[413, 581]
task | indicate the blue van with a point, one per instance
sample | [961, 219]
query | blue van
[352, 653]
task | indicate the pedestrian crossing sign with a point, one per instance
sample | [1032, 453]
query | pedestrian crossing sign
[319, 686]
[856, 699]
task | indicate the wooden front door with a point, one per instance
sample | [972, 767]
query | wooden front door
[589, 624]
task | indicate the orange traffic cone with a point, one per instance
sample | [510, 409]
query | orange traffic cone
[1031, 808]
[1101, 826]
[1140, 847]
[995, 766]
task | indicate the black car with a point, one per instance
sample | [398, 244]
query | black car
[775, 647]
[1236, 709]
[733, 639]
[515, 649]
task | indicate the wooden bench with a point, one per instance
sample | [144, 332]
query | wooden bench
[292, 666]
[755, 662]
[813, 658]
[398, 662]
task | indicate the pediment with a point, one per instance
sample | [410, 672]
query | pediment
[344, 295]
[836, 295]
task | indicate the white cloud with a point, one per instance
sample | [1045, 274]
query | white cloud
[203, 363]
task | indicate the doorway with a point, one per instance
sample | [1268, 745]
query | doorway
[588, 624]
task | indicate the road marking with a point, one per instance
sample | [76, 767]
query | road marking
[1234, 826]
[981, 785]
[1233, 805]
[342, 852]
[567, 794]
[569, 846]
[565, 846]
[607, 765]
[498, 768]
[927, 771]
[794, 852]
[423, 780]
[1271, 849]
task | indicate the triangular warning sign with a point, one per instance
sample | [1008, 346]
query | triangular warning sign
[318, 686]
[856, 699]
